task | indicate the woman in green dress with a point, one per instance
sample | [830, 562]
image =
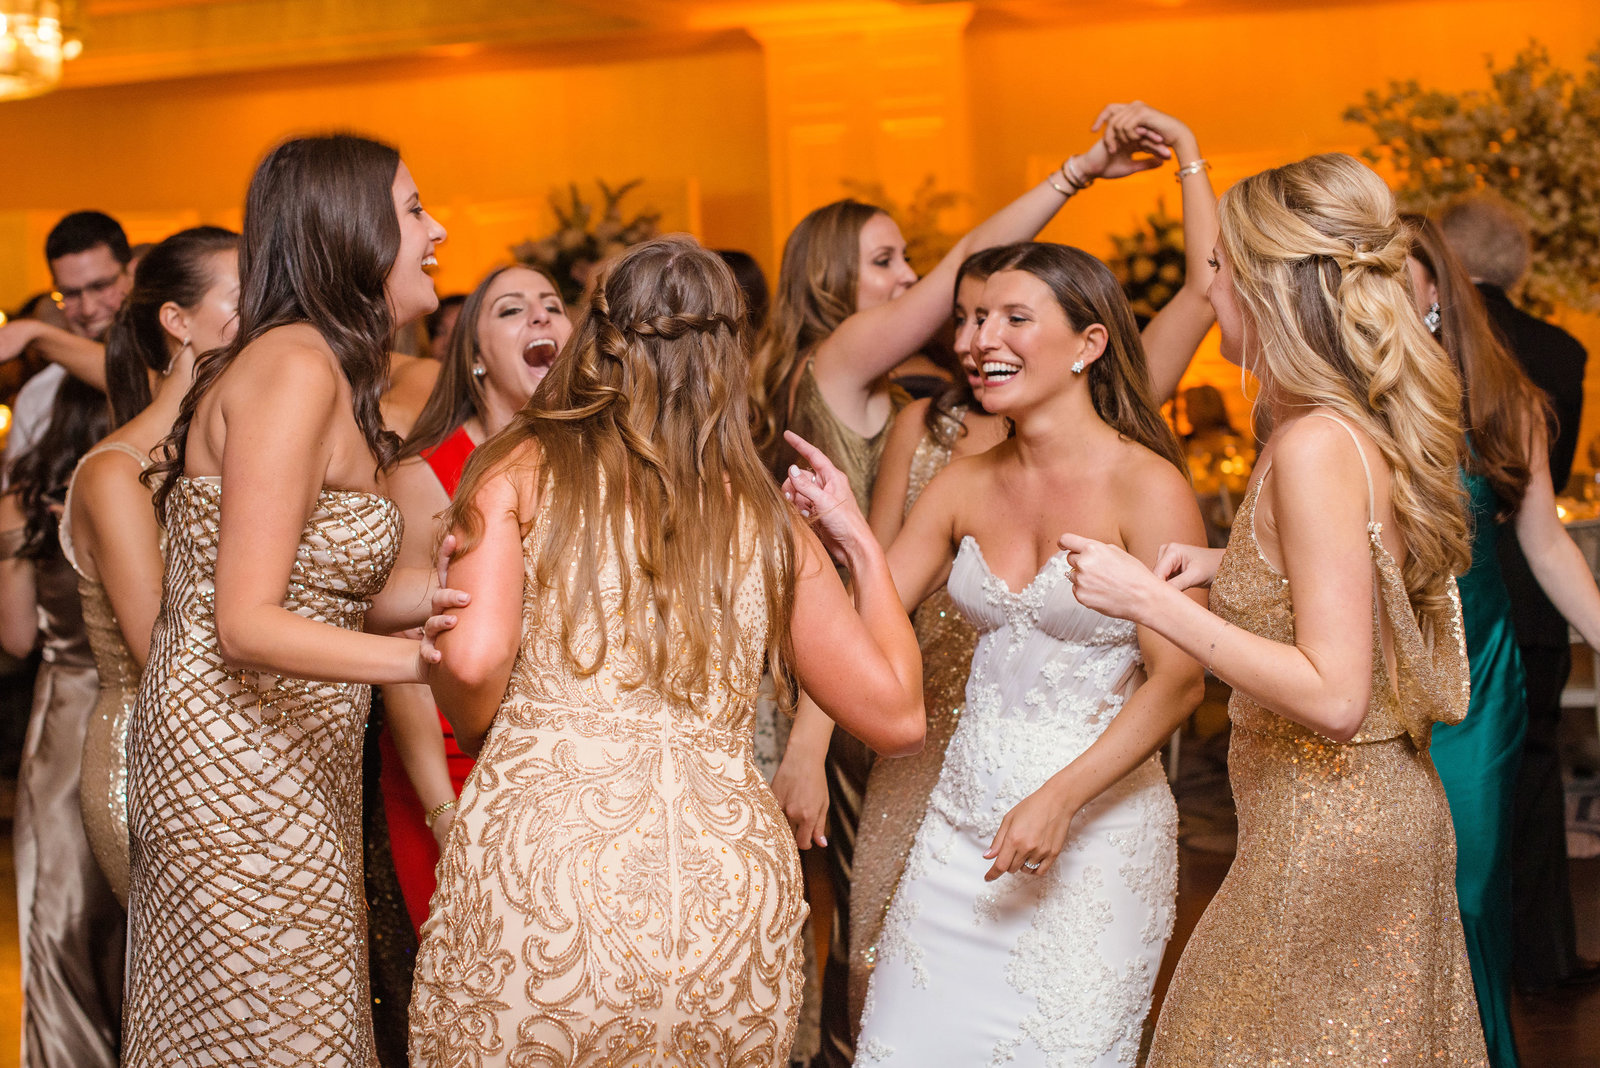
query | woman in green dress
[1507, 477]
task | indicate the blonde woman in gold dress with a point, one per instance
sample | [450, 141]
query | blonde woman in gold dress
[247, 924]
[1336, 935]
[184, 302]
[619, 885]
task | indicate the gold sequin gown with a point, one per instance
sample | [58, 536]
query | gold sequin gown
[248, 926]
[897, 790]
[1335, 938]
[619, 888]
[103, 787]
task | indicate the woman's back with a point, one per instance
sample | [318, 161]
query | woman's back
[617, 861]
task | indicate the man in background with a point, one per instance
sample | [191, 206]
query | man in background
[1492, 241]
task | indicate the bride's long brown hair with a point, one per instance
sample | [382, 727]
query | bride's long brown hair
[643, 435]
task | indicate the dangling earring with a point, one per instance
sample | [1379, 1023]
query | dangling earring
[1431, 320]
[1077, 368]
[478, 370]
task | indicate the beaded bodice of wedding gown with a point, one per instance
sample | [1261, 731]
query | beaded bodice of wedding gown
[1053, 970]
[248, 928]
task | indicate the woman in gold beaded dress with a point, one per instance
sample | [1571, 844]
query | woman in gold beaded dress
[244, 787]
[849, 309]
[184, 301]
[1336, 934]
[619, 885]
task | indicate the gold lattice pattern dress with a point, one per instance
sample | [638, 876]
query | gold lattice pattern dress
[248, 928]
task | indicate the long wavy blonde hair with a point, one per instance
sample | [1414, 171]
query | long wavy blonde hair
[1318, 253]
[643, 433]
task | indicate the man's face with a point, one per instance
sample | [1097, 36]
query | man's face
[92, 286]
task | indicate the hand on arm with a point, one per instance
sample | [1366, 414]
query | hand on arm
[1319, 497]
[477, 655]
[279, 417]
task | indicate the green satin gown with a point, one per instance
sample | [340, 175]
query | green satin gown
[1478, 761]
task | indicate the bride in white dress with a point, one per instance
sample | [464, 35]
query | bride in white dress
[1038, 898]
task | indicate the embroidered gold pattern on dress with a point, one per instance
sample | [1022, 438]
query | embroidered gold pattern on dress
[619, 887]
[1336, 936]
[244, 809]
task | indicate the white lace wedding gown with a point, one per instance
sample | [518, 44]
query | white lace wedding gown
[1028, 971]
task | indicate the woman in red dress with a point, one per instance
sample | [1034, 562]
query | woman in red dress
[513, 325]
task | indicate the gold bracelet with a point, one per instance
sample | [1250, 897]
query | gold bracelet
[436, 811]
[1070, 173]
[1192, 168]
[1211, 653]
[1064, 192]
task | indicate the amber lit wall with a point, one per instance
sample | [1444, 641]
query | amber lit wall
[739, 132]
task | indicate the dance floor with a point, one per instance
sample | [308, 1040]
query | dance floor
[1557, 1031]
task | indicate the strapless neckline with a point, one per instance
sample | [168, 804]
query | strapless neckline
[325, 491]
[1048, 569]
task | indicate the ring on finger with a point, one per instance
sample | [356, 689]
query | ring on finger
[1031, 865]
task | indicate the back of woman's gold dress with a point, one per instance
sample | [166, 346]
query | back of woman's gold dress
[1335, 938]
[619, 887]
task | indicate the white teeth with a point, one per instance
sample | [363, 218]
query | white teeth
[429, 261]
[994, 369]
[539, 351]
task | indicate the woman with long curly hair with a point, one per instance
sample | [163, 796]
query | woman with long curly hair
[1335, 620]
[619, 884]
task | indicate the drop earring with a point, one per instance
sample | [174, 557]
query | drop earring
[1077, 368]
[1431, 320]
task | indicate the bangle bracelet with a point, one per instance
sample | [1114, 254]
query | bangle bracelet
[1211, 653]
[1072, 174]
[439, 810]
[1187, 169]
[1067, 192]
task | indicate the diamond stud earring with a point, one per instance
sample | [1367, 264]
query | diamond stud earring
[1431, 320]
[1077, 368]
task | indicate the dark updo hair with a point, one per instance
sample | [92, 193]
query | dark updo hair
[178, 270]
[320, 235]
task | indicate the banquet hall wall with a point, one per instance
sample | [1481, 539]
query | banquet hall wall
[737, 133]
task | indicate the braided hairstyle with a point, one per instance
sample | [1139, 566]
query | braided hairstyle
[641, 430]
[1318, 253]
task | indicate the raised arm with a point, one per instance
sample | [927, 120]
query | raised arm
[112, 519]
[1554, 558]
[870, 343]
[1318, 495]
[81, 357]
[1171, 338]
[281, 416]
[1036, 830]
[888, 512]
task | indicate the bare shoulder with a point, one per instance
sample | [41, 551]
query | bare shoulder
[1320, 446]
[1151, 491]
[287, 363]
[912, 420]
[512, 481]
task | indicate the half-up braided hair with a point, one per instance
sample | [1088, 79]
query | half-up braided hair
[320, 235]
[643, 438]
[1318, 254]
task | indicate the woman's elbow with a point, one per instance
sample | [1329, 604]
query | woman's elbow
[1341, 720]
[905, 734]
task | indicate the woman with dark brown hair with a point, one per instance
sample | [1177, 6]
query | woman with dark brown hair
[1046, 953]
[1508, 480]
[244, 748]
[510, 329]
[619, 884]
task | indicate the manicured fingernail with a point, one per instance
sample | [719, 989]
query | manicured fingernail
[822, 840]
